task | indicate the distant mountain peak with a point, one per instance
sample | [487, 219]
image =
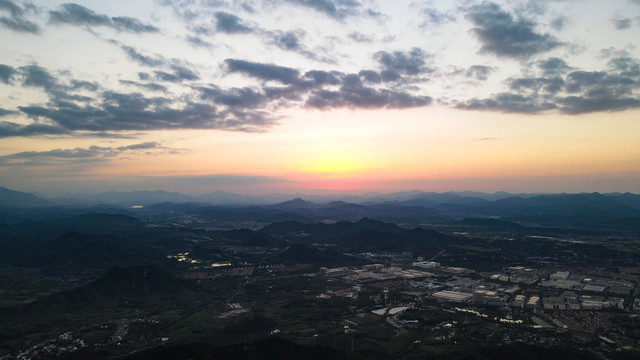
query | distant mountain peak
[296, 201]
[17, 199]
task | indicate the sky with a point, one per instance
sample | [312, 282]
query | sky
[319, 96]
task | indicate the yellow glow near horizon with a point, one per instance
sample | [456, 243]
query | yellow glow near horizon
[335, 165]
[344, 150]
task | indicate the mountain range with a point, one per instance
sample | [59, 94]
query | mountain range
[411, 208]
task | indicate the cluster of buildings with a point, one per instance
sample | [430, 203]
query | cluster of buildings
[53, 348]
[518, 275]
[577, 282]
[374, 272]
[466, 290]
[516, 287]
[567, 301]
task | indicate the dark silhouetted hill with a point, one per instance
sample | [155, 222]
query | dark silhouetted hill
[628, 199]
[365, 235]
[136, 281]
[251, 213]
[623, 224]
[99, 223]
[306, 254]
[133, 284]
[246, 237]
[293, 205]
[490, 223]
[297, 231]
[17, 199]
[132, 198]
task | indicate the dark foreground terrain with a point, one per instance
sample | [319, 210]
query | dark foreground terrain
[461, 278]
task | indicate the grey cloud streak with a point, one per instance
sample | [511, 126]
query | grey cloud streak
[16, 20]
[130, 24]
[553, 66]
[175, 71]
[621, 23]
[5, 112]
[399, 63]
[59, 156]
[143, 59]
[107, 111]
[78, 15]
[435, 17]
[6, 73]
[230, 24]
[337, 9]
[577, 92]
[351, 93]
[127, 112]
[265, 72]
[178, 74]
[479, 72]
[207, 18]
[503, 36]
[238, 109]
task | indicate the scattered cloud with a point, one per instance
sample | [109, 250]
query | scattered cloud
[546, 86]
[146, 86]
[198, 41]
[578, 92]
[360, 37]
[124, 23]
[20, 25]
[621, 23]
[36, 76]
[134, 112]
[559, 23]
[508, 103]
[16, 20]
[321, 78]
[78, 15]
[133, 54]
[293, 41]
[289, 40]
[12, 8]
[266, 72]
[178, 74]
[370, 76]
[10, 129]
[6, 73]
[354, 94]
[396, 64]
[479, 72]
[66, 156]
[230, 24]
[106, 112]
[75, 14]
[503, 36]
[433, 17]
[553, 66]
[337, 9]
[5, 112]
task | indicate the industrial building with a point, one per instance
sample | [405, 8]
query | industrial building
[341, 271]
[452, 296]
[426, 264]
